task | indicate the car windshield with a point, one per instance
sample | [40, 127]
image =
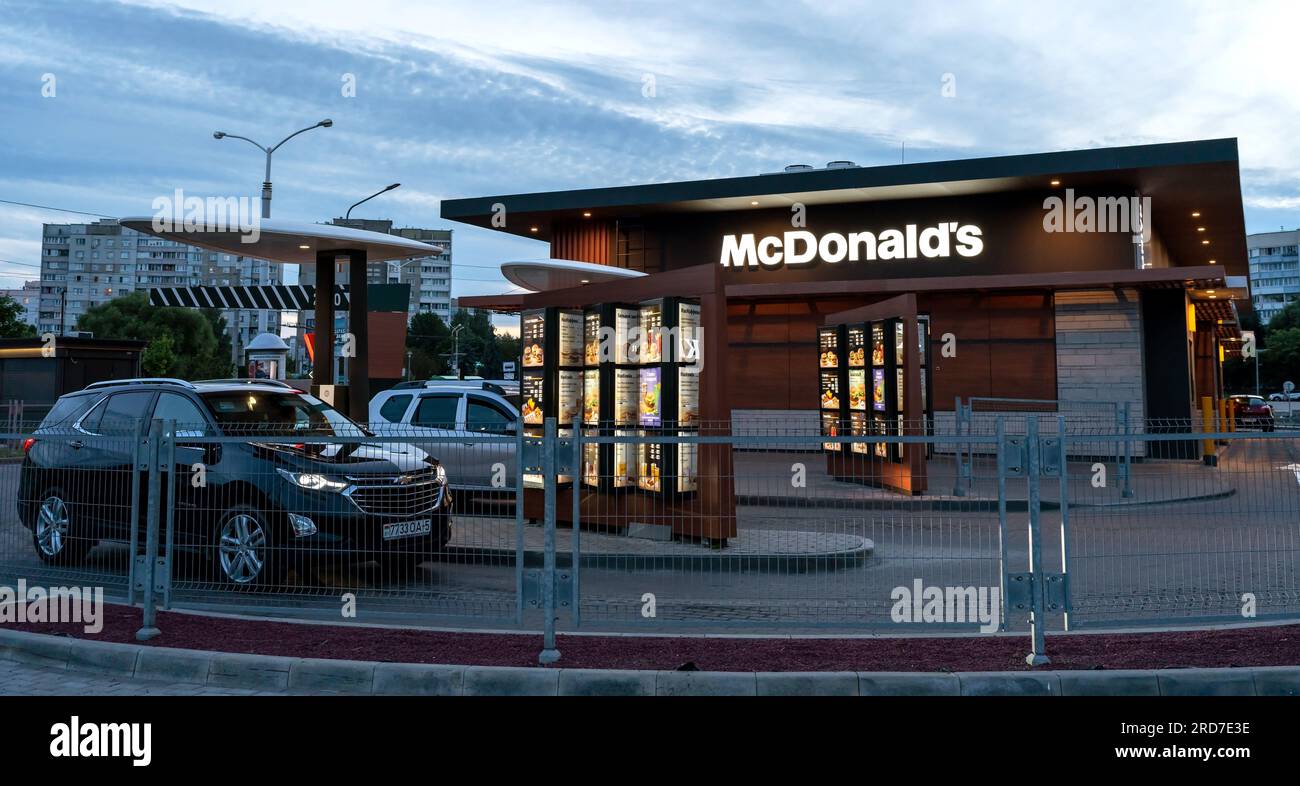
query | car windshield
[262, 412]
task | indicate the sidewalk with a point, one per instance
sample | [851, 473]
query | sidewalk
[764, 479]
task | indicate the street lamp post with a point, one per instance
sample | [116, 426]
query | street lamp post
[266, 184]
[383, 190]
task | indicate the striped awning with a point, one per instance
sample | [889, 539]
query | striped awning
[299, 297]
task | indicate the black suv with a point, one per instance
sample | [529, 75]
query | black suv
[253, 506]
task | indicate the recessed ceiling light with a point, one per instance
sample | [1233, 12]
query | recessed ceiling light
[532, 229]
[1196, 214]
[304, 248]
[1210, 291]
[1214, 262]
[1205, 242]
[1200, 229]
[584, 281]
[1056, 182]
[586, 214]
[753, 201]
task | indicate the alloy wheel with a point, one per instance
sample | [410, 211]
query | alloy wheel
[52, 526]
[243, 543]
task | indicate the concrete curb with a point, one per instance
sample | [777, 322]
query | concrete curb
[317, 675]
[770, 562]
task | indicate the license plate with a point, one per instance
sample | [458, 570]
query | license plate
[407, 529]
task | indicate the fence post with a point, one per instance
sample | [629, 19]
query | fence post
[549, 653]
[137, 462]
[1126, 468]
[575, 532]
[149, 625]
[963, 468]
[1037, 614]
[1000, 429]
[520, 468]
[1062, 457]
[164, 563]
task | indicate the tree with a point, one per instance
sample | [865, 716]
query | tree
[159, 357]
[194, 344]
[11, 320]
[1280, 361]
[426, 336]
[221, 365]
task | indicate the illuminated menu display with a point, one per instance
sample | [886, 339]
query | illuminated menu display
[858, 389]
[831, 428]
[688, 333]
[652, 340]
[530, 394]
[877, 344]
[650, 400]
[570, 338]
[686, 476]
[569, 396]
[878, 389]
[533, 332]
[591, 339]
[591, 397]
[625, 396]
[688, 397]
[626, 321]
[858, 428]
[857, 341]
[830, 387]
[828, 340]
[899, 342]
[650, 472]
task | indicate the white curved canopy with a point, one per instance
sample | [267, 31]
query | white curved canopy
[288, 241]
[542, 275]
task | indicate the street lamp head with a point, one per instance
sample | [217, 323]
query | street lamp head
[326, 123]
[218, 134]
[395, 185]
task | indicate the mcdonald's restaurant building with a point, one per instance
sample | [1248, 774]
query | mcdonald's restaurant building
[1103, 275]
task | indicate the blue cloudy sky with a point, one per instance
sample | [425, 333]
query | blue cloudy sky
[499, 96]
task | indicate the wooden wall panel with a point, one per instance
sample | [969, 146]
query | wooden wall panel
[584, 241]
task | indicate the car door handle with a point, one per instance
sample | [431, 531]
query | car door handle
[76, 444]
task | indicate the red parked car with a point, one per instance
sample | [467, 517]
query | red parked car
[1253, 411]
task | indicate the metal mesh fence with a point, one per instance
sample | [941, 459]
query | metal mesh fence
[782, 529]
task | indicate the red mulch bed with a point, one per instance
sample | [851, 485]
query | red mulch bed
[1263, 646]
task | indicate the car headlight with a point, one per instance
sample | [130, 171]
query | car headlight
[441, 475]
[311, 480]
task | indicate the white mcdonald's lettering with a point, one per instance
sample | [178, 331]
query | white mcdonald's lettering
[801, 247]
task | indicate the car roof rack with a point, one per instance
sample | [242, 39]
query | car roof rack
[478, 384]
[110, 383]
[246, 381]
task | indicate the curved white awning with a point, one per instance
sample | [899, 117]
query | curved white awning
[543, 275]
[288, 241]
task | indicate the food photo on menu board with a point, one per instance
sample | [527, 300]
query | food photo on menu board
[531, 395]
[858, 428]
[830, 428]
[858, 389]
[569, 392]
[570, 338]
[650, 400]
[651, 336]
[828, 344]
[591, 339]
[534, 335]
[626, 320]
[591, 397]
[625, 396]
[878, 389]
[899, 342]
[877, 345]
[857, 347]
[688, 329]
[688, 397]
[830, 398]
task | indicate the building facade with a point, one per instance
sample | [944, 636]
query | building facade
[1274, 271]
[29, 297]
[86, 265]
[1031, 289]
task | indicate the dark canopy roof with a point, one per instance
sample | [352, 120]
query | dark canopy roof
[1180, 177]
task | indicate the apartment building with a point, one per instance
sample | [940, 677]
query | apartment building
[85, 265]
[1274, 271]
[29, 297]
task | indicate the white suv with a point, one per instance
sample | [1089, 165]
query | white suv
[456, 411]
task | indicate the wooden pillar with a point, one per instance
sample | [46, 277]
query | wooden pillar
[323, 344]
[359, 327]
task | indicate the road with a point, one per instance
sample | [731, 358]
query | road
[1134, 563]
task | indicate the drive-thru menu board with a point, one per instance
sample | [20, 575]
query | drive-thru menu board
[623, 370]
[862, 383]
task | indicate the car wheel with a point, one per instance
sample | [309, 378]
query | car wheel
[244, 555]
[58, 539]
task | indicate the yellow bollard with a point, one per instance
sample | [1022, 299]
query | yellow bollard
[1223, 419]
[1207, 427]
[1232, 414]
